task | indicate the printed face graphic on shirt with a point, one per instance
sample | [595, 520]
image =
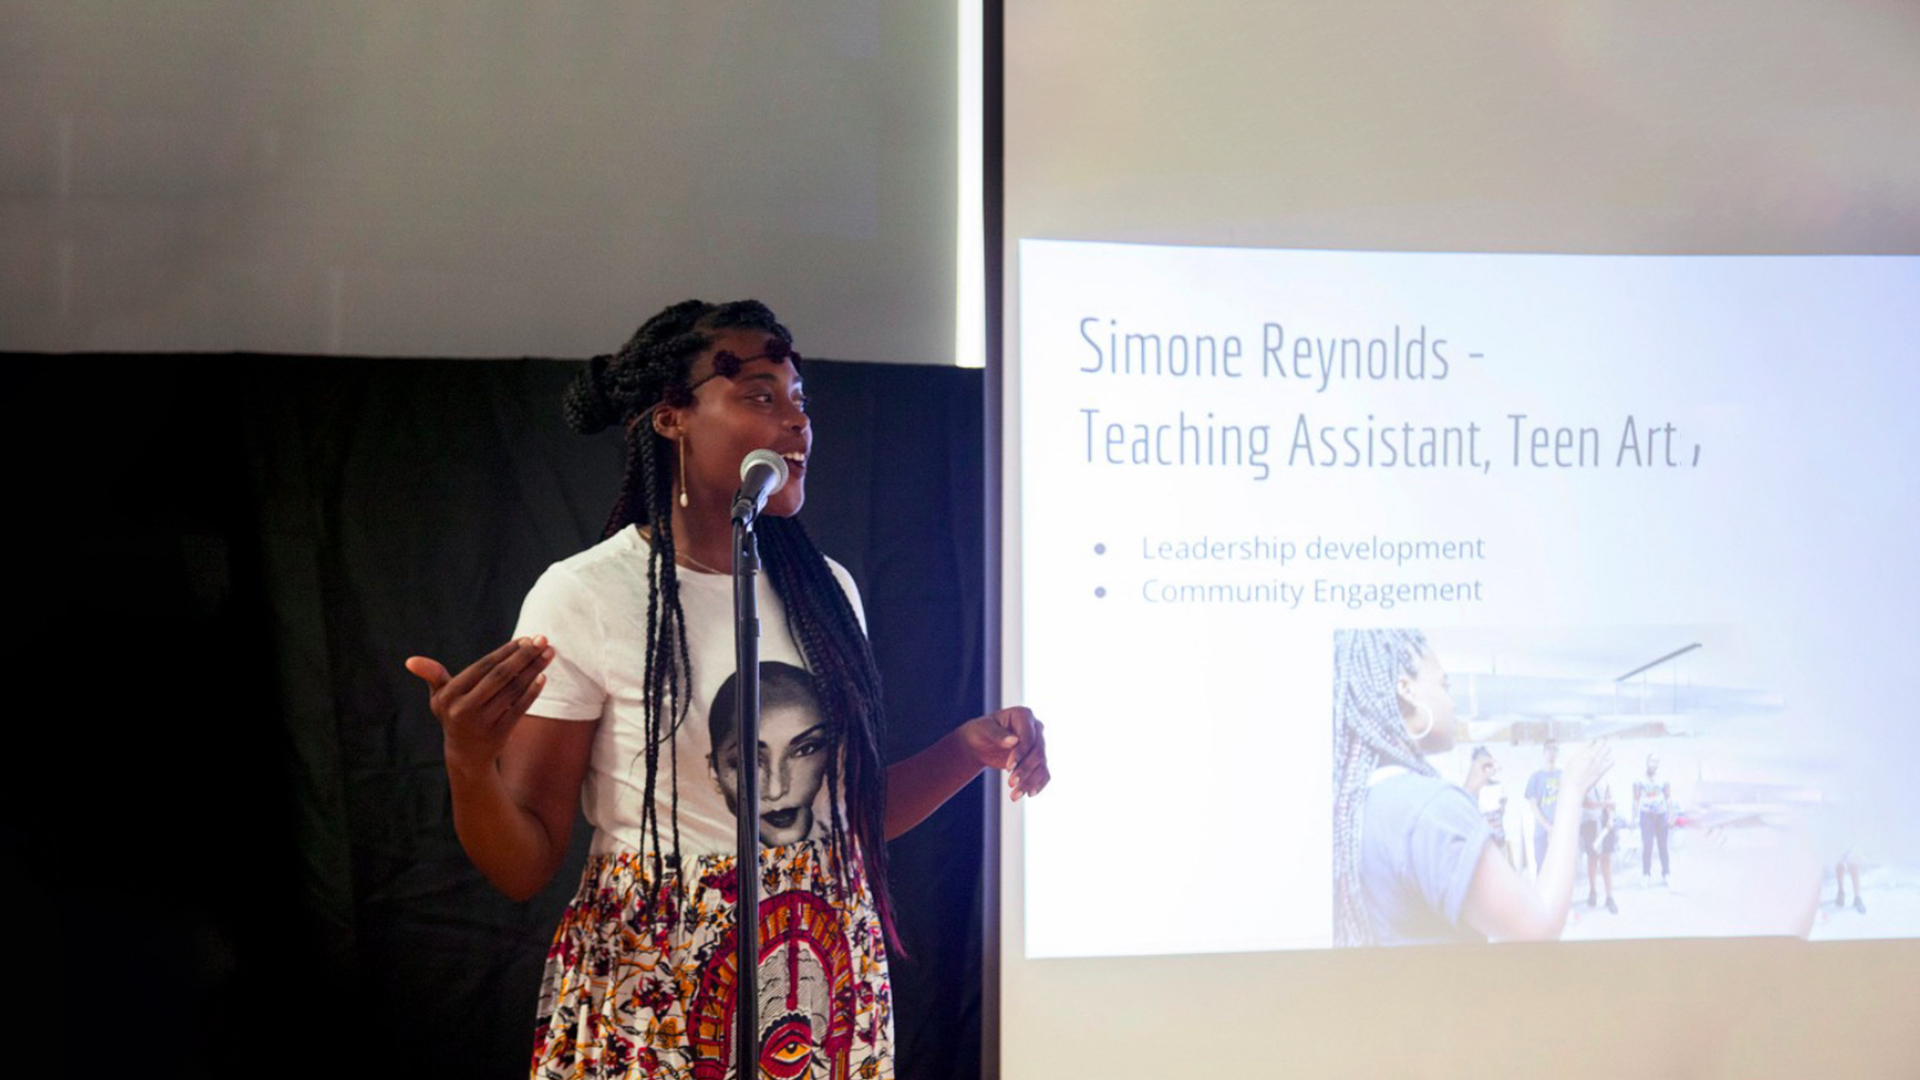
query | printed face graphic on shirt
[794, 752]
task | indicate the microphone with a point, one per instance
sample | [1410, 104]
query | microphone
[762, 473]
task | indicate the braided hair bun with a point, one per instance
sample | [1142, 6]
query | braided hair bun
[588, 405]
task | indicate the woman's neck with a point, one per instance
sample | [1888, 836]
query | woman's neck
[703, 538]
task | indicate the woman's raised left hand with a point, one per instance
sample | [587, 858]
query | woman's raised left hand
[1012, 740]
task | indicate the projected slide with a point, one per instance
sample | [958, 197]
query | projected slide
[1370, 596]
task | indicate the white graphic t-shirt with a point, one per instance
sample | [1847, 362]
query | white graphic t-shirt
[593, 609]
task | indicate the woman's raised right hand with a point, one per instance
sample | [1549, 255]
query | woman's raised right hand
[1585, 766]
[479, 707]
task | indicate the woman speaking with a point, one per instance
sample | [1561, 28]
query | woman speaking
[600, 700]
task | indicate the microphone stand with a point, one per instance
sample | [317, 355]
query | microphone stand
[746, 872]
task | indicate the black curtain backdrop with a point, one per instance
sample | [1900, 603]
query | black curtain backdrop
[233, 556]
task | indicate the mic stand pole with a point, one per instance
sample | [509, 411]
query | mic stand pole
[746, 867]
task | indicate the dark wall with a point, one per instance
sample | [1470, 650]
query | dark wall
[233, 555]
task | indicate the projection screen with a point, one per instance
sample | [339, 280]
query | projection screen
[1411, 415]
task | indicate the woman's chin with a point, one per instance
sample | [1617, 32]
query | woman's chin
[788, 500]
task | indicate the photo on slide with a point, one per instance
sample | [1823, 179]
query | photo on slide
[1689, 804]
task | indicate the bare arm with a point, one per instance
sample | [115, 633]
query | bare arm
[1011, 739]
[1502, 904]
[515, 778]
[515, 813]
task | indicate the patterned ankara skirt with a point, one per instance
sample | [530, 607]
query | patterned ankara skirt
[629, 996]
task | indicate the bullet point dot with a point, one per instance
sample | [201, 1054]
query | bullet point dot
[1099, 549]
[1101, 591]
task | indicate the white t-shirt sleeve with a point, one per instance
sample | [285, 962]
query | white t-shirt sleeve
[853, 592]
[562, 608]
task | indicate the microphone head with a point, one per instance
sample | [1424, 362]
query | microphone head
[765, 459]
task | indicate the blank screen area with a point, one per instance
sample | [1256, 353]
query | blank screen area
[482, 179]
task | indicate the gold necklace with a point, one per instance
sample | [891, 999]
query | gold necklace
[680, 557]
[692, 563]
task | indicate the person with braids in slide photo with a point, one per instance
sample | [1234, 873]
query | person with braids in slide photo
[1414, 861]
[601, 700]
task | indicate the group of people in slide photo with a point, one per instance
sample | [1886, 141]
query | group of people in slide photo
[1420, 857]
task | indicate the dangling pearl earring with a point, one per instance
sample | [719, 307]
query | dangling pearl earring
[680, 451]
[1425, 730]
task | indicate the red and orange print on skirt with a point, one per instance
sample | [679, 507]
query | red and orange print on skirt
[634, 989]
